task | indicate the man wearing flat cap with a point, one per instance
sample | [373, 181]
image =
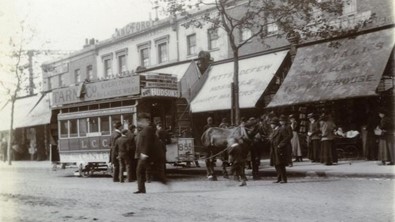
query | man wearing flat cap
[279, 141]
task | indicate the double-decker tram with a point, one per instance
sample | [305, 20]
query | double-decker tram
[84, 136]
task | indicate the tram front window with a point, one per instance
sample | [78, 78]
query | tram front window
[114, 119]
[64, 129]
[73, 128]
[93, 124]
[83, 127]
[105, 125]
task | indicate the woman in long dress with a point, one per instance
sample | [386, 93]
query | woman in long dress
[296, 148]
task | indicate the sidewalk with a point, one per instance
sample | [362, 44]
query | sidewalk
[345, 168]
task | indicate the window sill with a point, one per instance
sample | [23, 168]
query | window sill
[213, 50]
[192, 56]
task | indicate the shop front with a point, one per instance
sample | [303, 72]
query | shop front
[214, 98]
[349, 78]
[31, 123]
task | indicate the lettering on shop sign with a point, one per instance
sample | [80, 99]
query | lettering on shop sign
[159, 92]
[98, 90]
[320, 72]
[331, 83]
[133, 27]
[327, 55]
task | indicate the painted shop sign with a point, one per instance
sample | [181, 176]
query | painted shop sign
[323, 72]
[254, 76]
[127, 86]
[133, 27]
[159, 92]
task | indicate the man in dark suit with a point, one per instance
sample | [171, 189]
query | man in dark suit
[122, 147]
[148, 150]
[278, 150]
[113, 153]
[132, 160]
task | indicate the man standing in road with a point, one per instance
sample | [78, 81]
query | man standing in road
[113, 154]
[132, 160]
[279, 140]
[122, 147]
[148, 150]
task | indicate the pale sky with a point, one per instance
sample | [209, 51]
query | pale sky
[61, 25]
[64, 24]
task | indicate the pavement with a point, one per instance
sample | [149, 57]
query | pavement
[353, 168]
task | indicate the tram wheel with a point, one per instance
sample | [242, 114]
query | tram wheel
[84, 172]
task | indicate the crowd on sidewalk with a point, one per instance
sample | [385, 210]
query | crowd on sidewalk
[377, 143]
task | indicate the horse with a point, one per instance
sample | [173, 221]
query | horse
[235, 141]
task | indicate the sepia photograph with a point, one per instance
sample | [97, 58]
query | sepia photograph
[197, 110]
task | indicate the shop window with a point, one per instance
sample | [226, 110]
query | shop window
[191, 44]
[73, 128]
[212, 39]
[105, 125]
[64, 129]
[83, 127]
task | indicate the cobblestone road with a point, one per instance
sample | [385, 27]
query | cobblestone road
[45, 195]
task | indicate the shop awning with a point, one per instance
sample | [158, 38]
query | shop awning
[28, 111]
[345, 68]
[255, 75]
[176, 70]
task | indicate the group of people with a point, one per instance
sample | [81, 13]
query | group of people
[281, 135]
[140, 151]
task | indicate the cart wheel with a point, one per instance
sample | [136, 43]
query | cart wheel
[110, 170]
[84, 172]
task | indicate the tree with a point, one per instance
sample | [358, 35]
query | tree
[12, 56]
[294, 19]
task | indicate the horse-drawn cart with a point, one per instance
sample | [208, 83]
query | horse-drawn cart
[180, 151]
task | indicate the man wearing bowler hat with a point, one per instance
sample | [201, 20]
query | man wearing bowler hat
[148, 150]
[279, 141]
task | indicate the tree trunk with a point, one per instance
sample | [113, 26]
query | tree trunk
[236, 86]
[11, 132]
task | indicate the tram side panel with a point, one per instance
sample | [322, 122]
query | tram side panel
[85, 150]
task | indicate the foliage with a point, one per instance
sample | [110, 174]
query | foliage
[310, 19]
[294, 19]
